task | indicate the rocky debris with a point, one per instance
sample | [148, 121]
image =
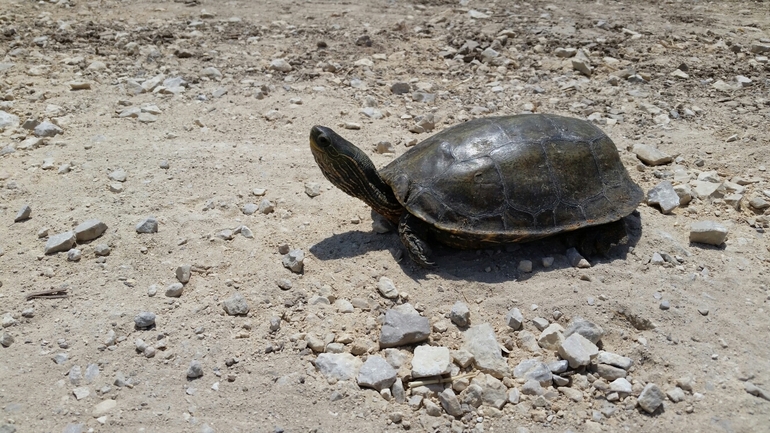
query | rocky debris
[460, 315]
[480, 340]
[89, 230]
[534, 369]
[147, 225]
[8, 120]
[450, 403]
[376, 373]
[514, 319]
[23, 214]
[236, 305]
[613, 359]
[144, 320]
[403, 325]
[664, 196]
[430, 361]
[104, 407]
[266, 207]
[74, 255]
[338, 366]
[294, 261]
[578, 350]
[47, 129]
[651, 155]
[675, 394]
[60, 242]
[551, 337]
[387, 288]
[174, 290]
[312, 189]
[651, 398]
[708, 232]
[591, 331]
[183, 273]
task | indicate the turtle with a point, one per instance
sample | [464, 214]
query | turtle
[491, 181]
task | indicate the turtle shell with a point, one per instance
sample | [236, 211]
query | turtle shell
[513, 178]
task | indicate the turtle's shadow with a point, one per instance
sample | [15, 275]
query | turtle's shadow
[488, 265]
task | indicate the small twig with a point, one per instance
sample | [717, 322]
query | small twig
[49, 294]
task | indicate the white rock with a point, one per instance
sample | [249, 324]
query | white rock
[431, 361]
[578, 350]
[708, 232]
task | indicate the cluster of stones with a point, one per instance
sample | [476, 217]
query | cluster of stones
[477, 378]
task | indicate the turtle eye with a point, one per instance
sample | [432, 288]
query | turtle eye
[323, 141]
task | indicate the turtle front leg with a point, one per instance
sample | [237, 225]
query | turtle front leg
[412, 230]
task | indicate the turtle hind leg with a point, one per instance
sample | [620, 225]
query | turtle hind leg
[412, 232]
[600, 239]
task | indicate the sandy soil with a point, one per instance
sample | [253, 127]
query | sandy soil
[226, 134]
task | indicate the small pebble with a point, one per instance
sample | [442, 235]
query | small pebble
[195, 370]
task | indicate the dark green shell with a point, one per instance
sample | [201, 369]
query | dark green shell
[504, 179]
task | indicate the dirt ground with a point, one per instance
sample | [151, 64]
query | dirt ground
[196, 152]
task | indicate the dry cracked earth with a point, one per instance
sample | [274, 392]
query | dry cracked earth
[189, 122]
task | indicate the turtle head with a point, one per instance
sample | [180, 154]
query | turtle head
[349, 169]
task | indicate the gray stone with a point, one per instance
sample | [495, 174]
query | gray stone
[403, 325]
[675, 394]
[74, 255]
[294, 261]
[104, 407]
[386, 288]
[280, 65]
[614, 359]
[621, 385]
[338, 366]
[183, 273]
[92, 372]
[8, 119]
[609, 372]
[47, 129]
[312, 189]
[460, 315]
[578, 350]
[704, 189]
[494, 393]
[685, 194]
[708, 232]
[481, 341]
[559, 366]
[540, 323]
[195, 370]
[514, 396]
[236, 305]
[145, 319]
[81, 392]
[376, 373]
[534, 369]
[102, 250]
[526, 340]
[532, 387]
[551, 337]
[582, 66]
[471, 396]
[759, 203]
[398, 88]
[431, 361]
[760, 48]
[211, 72]
[664, 196]
[514, 319]
[23, 213]
[148, 225]
[589, 330]
[89, 230]
[399, 394]
[118, 176]
[174, 290]
[651, 398]
[60, 358]
[250, 209]
[450, 403]
[650, 155]
[60, 242]
[6, 339]
[432, 409]
[266, 207]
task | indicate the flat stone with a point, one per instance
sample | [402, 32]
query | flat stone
[760, 48]
[236, 305]
[148, 225]
[675, 394]
[609, 372]
[376, 373]
[312, 189]
[759, 203]
[387, 288]
[338, 366]
[431, 361]
[685, 194]
[250, 208]
[589, 330]
[534, 369]
[280, 65]
[708, 232]
[403, 325]
[571, 393]
[650, 155]
[514, 319]
[756, 391]
[398, 88]
[23, 214]
[704, 189]
[460, 315]
[532, 387]
[494, 392]
[60, 242]
[81, 392]
[480, 340]
[614, 359]
[578, 350]
[461, 357]
[621, 385]
[663, 196]
[89, 230]
[651, 398]
[104, 407]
